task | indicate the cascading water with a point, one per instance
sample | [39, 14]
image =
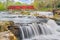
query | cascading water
[31, 29]
[47, 29]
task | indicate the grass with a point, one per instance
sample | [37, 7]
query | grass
[46, 9]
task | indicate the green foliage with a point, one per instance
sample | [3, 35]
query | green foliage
[47, 4]
[46, 9]
[18, 3]
[38, 4]
[2, 6]
[9, 3]
[58, 5]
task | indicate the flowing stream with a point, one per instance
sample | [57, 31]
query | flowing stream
[32, 30]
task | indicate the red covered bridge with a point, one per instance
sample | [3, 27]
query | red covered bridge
[20, 7]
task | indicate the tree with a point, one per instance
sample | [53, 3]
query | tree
[18, 3]
[2, 6]
[38, 4]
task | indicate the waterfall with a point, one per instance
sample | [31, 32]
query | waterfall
[22, 32]
[32, 30]
[53, 24]
[47, 29]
